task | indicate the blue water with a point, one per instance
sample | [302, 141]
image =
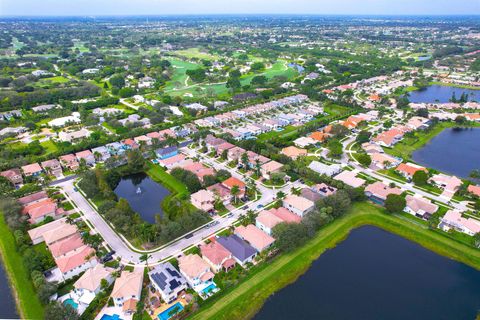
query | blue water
[376, 275]
[441, 94]
[147, 202]
[299, 68]
[8, 309]
[211, 287]
[453, 151]
[70, 302]
[109, 317]
[424, 58]
[165, 314]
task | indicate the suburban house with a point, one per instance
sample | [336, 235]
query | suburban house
[199, 170]
[70, 162]
[101, 153]
[219, 258]
[87, 155]
[74, 136]
[473, 189]
[14, 176]
[38, 211]
[241, 251]
[418, 123]
[319, 136]
[90, 283]
[167, 281]
[32, 170]
[448, 183]
[36, 234]
[53, 167]
[309, 194]
[235, 153]
[255, 237]
[203, 200]
[389, 138]
[384, 161]
[453, 220]
[76, 261]
[350, 178]
[127, 288]
[176, 161]
[409, 169]
[270, 167]
[294, 152]
[232, 182]
[167, 152]
[266, 221]
[371, 148]
[322, 168]
[223, 147]
[304, 142]
[324, 189]
[420, 207]
[378, 192]
[298, 205]
[196, 271]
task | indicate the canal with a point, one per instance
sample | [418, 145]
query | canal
[442, 94]
[143, 194]
[455, 151]
[8, 309]
[374, 274]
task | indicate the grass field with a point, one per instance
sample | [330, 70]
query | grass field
[246, 299]
[196, 53]
[161, 176]
[53, 80]
[49, 146]
[27, 300]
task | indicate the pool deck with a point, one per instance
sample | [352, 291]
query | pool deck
[113, 310]
[165, 306]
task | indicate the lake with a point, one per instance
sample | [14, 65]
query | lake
[454, 151]
[441, 93]
[374, 274]
[147, 202]
[8, 309]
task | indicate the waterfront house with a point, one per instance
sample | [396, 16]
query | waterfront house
[378, 192]
[14, 176]
[448, 183]
[32, 170]
[266, 221]
[196, 271]
[167, 281]
[255, 237]
[420, 207]
[127, 287]
[69, 162]
[453, 220]
[179, 160]
[241, 251]
[203, 200]
[219, 258]
[90, 283]
[298, 205]
[473, 189]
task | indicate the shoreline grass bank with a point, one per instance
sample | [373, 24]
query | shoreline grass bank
[246, 299]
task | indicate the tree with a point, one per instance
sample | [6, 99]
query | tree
[476, 240]
[289, 236]
[233, 83]
[339, 131]
[395, 203]
[257, 66]
[363, 136]
[259, 80]
[197, 75]
[117, 81]
[245, 160]
[420, 178]
[235, 191]
[135, 160]
[460, 120]
[126, 92]
[58, 311]
[335, 147]
[364, 159]
[223, 175]
[339, 202]
[144, 258]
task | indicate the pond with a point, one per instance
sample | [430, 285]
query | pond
[143, 194]
[374, 274]
[442, 94]
[8, 309]
[455, 151]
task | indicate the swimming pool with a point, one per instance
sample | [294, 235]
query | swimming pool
[109, 317]
[71, 303]
[170, 312]
[209, 289]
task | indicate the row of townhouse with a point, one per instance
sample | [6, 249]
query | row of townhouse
[445, 105]
[71, 162]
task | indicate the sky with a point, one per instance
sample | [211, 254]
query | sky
[169, 7]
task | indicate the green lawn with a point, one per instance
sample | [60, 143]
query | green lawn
[57, 79]
[246, 299]
[27, 300]
[160, 175]
[408, 145]
[50, 146]
[196, 53]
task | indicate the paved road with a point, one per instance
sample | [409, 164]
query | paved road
[129, 255]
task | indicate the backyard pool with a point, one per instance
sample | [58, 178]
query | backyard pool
[209, 289]
[71, 303]
[170, 312]
[110, 317]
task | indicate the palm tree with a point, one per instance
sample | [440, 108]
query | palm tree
[235, 191]
[144, 258]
